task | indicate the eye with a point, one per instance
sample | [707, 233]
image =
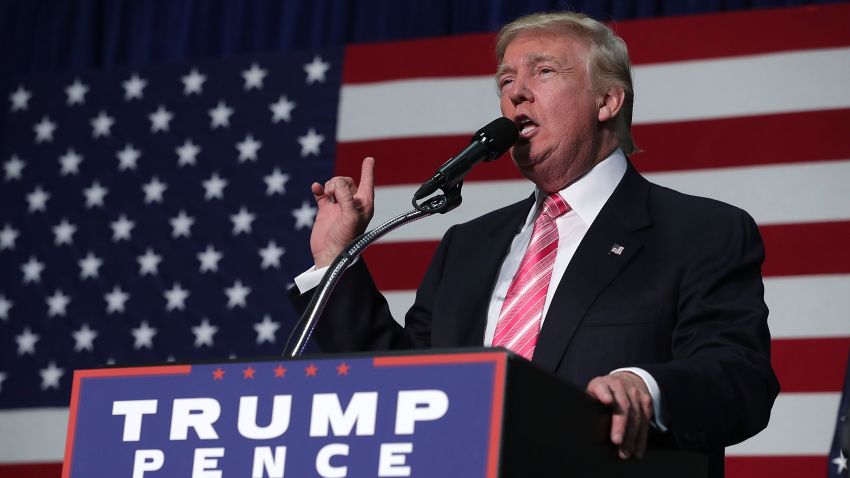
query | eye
[505, 82]
[544, 70]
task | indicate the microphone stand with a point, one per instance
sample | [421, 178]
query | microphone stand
[442, 204]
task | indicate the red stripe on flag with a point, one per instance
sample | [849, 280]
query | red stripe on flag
[721, 143]
[775, 466]
[744, 141]
[649, 41]
[31, 470]
[792, 249]
[471, 55]
[810, 365]
[733, 34]
[415, 256]
[803, 249]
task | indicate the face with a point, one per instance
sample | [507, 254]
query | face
[546, 89]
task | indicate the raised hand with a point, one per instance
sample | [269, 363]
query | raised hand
[345, 209]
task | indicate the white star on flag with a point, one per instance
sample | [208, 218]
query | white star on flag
[50, 376]
[89, 266]
[282, 109]
[149, 263]
[176, 298]
[57, 304]
[70, 163]
[840, 461]
[20, 99]
[14, 167]
[271, 255]
[316, 70]
[121, 229]
[154, 190]
[160, 119]
[76, 93]
[181, 225]
[214, 187]
[116, 300]
[8, 235]
[84, 338]
[94, 195]
[204, 333]
[310, 142]
[32, 270]
[220, 115]
[143, 336]
[236, 295]
[128, 158]
[26, 342]
[187, 153]
[64, 233]
[248, 148]
[38, 199]
[266, 330]
[133, 87]
[5, 307]
[209, 259]
[304, 216]
[2, 379]
[254, 77]
[193, 82]
[276, 182]
[242, 221]
[102, 125]
[44, 130]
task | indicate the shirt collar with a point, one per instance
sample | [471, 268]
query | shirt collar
[588, 194]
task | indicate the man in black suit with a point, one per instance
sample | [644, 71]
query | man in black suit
[653, 299]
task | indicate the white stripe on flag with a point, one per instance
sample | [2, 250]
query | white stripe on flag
[807, 80]
[40, 436]
[800, 307]
[800, 424]
[772, 194]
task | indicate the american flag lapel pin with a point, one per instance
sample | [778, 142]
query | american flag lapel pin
[616, 249]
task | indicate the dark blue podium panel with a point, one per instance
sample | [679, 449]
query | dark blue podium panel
[411, 415]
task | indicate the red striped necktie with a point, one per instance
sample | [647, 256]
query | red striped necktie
[522, 311]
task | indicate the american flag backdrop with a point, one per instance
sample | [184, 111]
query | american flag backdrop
[159, 214]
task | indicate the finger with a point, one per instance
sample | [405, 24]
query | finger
[367, 177]
[318, 191]
[643, 431]
[620, 417]
[598, 389]
[633, 424]
[339, 189]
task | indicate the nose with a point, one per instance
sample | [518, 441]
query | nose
[519, 92]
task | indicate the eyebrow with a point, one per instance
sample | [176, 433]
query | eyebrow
[530, 59]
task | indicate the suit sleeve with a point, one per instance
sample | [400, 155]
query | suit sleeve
[719, 387]
[357, 317]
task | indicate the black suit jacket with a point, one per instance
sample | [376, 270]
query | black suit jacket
[683, 300]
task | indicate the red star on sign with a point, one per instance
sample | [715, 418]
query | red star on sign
[279, 371]
[248, 372]
[218, 374]
[311, 370]
[342, 369]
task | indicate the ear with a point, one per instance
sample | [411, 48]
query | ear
[611, 102]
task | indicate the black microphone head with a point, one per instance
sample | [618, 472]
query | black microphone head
[498, 136]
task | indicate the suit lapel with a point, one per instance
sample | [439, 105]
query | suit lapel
[594, 266]
[493, 243]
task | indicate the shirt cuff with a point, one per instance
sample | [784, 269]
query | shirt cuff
[654, 392]
[309, 279]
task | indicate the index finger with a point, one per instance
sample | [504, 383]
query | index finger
[367, 176]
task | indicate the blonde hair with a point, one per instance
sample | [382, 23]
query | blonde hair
[609, 63]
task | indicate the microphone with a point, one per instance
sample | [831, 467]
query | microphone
[487, 144]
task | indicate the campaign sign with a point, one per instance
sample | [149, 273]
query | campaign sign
[412, 415]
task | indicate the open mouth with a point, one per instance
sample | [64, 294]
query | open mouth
[526, 127]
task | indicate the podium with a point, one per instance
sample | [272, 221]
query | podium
[481, 413]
